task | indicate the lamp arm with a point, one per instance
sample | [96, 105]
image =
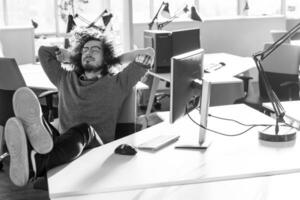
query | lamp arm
[277, 106]
[163, 24]
[156, 15]
[92, 24]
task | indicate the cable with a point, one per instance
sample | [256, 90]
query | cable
[233, 120]
[224, 134]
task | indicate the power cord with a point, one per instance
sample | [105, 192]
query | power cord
[224, 134]
[233, 120]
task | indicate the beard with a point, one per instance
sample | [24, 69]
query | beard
[87, 67]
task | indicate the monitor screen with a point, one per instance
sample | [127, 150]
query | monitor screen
[184, 69]
[188, 88]
[185, 40]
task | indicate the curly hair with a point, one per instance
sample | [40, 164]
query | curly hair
[109, 58]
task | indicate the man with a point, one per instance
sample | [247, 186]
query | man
[90, 99]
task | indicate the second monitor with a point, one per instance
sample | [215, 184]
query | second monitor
[170, 43]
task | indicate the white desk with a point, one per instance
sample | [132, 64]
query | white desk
[225, 87]
[35, 77]
[261, 188]
[169, 172]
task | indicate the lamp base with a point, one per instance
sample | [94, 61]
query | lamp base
[285, 134]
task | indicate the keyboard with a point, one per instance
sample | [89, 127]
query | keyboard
[158, 142]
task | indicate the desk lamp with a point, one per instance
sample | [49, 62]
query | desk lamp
[105, 15]
[165, 7]
[277, 135]
[193, 15]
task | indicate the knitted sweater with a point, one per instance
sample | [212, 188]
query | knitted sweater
[96, 102]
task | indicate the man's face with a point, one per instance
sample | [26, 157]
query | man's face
[92, 56]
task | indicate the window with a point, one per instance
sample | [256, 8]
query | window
[293, 8]
[141, 10]
[264, 7]
[218, 8]
[51, 15]
[84, 12]
[20, 13]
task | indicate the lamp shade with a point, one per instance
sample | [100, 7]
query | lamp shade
[34, 24]
[70, 24]
[186, 9]
[194, 14]
[246, 7]
[106, 19]
[165, 11]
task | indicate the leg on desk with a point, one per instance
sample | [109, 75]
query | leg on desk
[68, 147]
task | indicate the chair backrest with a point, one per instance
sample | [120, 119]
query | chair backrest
[6, 111]
[282, 66]
[127, 117]
[10, 75]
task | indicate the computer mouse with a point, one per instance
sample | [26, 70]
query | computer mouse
[125, 149]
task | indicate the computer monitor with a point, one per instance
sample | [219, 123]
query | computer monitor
[170, 43]
[185, 40]
[189, 89]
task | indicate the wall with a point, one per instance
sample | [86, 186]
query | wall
[240, 36]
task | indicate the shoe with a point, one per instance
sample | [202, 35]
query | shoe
[27, 108]
[22, 166]
[94, 139]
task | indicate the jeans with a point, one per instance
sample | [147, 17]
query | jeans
[67, 147]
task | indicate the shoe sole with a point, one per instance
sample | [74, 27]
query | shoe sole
[27, 108]
[1, 140]
[17, 147]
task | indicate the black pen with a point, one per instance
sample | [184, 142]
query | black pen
[190, 147]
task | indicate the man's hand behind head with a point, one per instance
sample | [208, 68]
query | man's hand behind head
[149, 55]
[63, 55]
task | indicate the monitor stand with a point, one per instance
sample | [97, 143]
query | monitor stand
[203, 142]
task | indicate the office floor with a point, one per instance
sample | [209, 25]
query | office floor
[8, 191]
